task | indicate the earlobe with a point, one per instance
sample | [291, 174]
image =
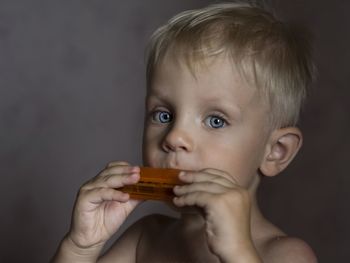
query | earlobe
[281, 149]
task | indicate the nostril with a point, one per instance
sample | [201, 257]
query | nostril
[175, 146]
[177, 140]
[167, 148]
[183, 148]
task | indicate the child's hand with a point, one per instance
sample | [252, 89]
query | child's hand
[226, 208]
[100, 209]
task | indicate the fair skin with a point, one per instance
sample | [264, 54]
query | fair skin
[212, 125]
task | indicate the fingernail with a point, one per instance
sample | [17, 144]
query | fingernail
[135, 169]
[134, 175]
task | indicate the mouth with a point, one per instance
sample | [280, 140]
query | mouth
[174, 161]
[180, 167]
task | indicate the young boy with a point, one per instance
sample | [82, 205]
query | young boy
[224, 88]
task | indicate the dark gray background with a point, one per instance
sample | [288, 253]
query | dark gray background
[71, 100]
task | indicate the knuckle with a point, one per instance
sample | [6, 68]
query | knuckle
[83, 193]
[110, 164]
[106, 178]
[86, 186]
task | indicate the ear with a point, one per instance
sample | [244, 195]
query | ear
[281, 149]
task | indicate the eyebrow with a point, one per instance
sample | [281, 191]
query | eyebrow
[159, 91]
[221, 105]
[214, 103]
[159, 95]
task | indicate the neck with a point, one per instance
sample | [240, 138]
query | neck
[259, 226]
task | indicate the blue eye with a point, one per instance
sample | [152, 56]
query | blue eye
[162, 116]
[215, 122]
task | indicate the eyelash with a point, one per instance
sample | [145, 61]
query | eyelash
[155, 117]
[216, 116]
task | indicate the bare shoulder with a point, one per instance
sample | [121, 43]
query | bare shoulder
[284, 249]
[125, 248]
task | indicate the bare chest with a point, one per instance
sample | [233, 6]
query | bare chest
[172, 246]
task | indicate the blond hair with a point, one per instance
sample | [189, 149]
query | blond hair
[270, 52]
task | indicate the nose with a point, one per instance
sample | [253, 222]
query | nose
[178, 139]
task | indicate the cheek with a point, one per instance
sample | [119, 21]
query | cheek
[149, 148]
[149, 157]
[237, 157]
[217, 153]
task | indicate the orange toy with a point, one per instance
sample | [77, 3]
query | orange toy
[154, 184]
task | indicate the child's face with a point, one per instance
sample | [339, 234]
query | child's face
[209, 119]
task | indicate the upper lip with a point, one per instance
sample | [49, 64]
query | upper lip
[174, 162]
[178, 167]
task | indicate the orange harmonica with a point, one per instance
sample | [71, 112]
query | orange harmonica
[154, 184]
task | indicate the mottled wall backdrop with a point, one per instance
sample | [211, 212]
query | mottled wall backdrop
[71, 100]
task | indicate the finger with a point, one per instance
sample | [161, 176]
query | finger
[117, 163]
[209, 187]
[222, 174]
[120, 169]
[135, 202]
[117, 181]
[114, 177]
[99, 195]
[199, 198]
[205, 176]
[229, 177]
